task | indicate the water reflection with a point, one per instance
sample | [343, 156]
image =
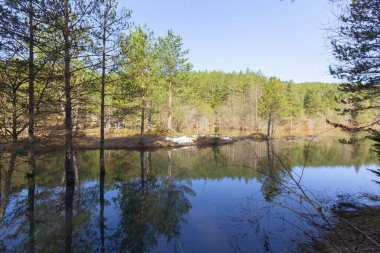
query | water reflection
[151, 207]
[273, 173]
[101, 212]
[218, 199]
[7, 184]
[30, 212]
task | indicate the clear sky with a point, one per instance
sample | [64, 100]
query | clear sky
[282, 38]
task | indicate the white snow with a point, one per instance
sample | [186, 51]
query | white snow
[185, 139]
[181, 140]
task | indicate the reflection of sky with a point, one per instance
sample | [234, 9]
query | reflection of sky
[224, 212]
[227, 213]
[340, 179]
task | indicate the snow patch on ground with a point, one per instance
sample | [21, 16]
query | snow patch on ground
[181, 140]
[185, 139]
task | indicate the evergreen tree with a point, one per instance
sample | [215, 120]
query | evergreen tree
[140, 67]
[357, 50]
[174, 64]
[312, 102]
[111, 25]
[272, 104]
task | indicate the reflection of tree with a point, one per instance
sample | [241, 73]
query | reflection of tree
[134, 231]
[31, 195]
[172, 205]
[377, 150]
[6, 191]
[69, 198]
[71, 173]
[150, 207]
[273, 175]
[31, 218]
[101, 202]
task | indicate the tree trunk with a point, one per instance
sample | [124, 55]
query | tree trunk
[142, 122]
[269, 126]
[241, 113]
[31, 163]
[109, 122]
[76, 119]
[70, 177]
[149, 117]
[170, 105]
[234, 109]
[14, 116]
[291, 126]
[256, 109]
[103, 94]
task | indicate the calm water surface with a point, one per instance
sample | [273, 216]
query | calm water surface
[237, 198]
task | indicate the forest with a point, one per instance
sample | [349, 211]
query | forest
[119, 76]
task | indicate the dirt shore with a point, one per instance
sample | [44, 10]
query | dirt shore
[84, 142]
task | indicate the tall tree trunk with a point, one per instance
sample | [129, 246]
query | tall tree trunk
[103, 94]
[70, 177]
[76, 119]
[142, 126]
[170, 106]
[149, 117]
[256, 109]
[14, 116]
[31, 162]
[291, 126]
[241, 113]
[269, 126]
[234, 109]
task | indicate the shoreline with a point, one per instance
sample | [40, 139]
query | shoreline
[151, 142]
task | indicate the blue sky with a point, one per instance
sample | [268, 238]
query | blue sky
[279, 38]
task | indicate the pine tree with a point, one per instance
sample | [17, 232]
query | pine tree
[174, 64]
[356, 48]
[272, 104]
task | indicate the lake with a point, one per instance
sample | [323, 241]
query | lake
[244, 197]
